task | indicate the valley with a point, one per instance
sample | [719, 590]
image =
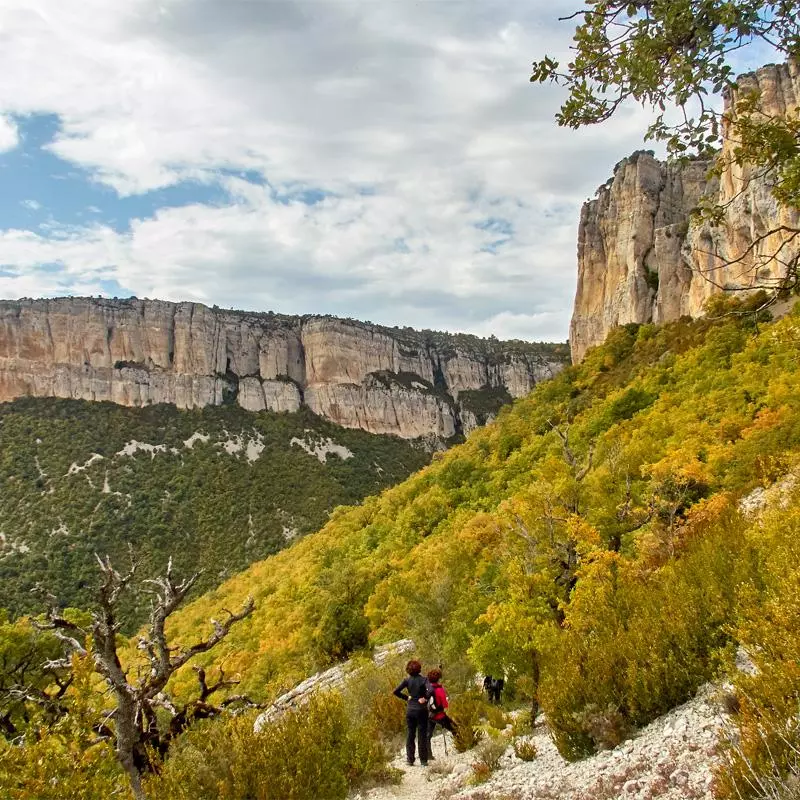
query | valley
[223, 534]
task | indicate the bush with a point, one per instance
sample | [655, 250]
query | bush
[490, 751]
[762, 757]
[480, 772]
[521, 725]
[59, 765]
[369, 698]
[525, 749]
[465, 711]
[638, 643]
[315, 751]
[496, 717]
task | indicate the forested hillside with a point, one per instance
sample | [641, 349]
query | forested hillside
[587, 542]
[215, 489]
[590, 545]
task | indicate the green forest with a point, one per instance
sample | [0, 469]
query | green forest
[214, 489]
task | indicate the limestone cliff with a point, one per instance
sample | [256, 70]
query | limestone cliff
[641, 258]
[384, 380]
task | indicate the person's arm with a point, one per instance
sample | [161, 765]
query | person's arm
[398, 692]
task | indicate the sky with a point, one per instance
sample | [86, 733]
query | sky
[386, 160]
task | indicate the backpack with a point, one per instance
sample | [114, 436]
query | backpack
[434, 706]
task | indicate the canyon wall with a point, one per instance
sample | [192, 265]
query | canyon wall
[383, 380]
[641, 258]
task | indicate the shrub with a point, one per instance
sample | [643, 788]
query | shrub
[466, 713]
[762, 756]
[525, 749]
[496, 717]
[638, 643]
[59, 765]
[521, 725]
[490, 751]
[369, 698]
[480, 772]
[315, 751]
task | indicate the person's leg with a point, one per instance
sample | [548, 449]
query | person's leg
[447, 724]
[431, 730]
[411, 732]
[422, 736]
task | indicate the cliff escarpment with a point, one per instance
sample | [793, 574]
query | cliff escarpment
[641, 256]
[382, 380]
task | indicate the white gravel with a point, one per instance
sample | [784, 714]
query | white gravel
[672, 758]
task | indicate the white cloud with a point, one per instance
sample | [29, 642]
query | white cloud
[418, 117]
[9, 137]
[31, 205]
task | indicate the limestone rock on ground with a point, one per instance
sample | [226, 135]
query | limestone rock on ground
[672, 758]
[336, 677]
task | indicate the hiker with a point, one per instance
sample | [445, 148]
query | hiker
[417, 698]
[437, 707]
[497, 688]
[493, 688]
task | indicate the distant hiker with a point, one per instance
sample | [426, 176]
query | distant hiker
[437, 706]
[493, 688]
[417, 698]
[497, 690]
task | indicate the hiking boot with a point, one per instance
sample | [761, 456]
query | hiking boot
[423, 763]
[410, 763]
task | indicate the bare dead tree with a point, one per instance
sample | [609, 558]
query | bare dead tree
[579, 472]
[28, 682]
[136, 732]
[755, 266]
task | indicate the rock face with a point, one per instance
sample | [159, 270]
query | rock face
[642, 259]
[384, 380]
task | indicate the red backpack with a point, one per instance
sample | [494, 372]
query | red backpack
[438, 701]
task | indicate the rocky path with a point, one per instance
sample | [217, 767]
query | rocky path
[442, 777]
[672, 758]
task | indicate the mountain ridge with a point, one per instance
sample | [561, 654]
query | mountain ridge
[358, 375]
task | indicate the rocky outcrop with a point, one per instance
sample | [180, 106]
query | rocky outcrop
[641, 258]
[336, 678]
[384, 380]
[630, 240]
[673, 758]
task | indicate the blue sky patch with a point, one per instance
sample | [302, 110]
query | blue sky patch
[499, 227]
[496, 225]
[41, 188]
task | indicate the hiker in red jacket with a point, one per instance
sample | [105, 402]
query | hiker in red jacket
[437, 706]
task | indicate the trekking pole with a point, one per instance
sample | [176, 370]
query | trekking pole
[444, 739]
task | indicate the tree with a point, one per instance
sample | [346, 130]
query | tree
[28, 686]
[670, 54]
[136, 732]
[541, 556]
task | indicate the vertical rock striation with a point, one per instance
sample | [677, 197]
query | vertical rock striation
[137, 352]
[630, 240]
[641, 258]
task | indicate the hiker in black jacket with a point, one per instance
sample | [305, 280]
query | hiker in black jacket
[415, 691]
